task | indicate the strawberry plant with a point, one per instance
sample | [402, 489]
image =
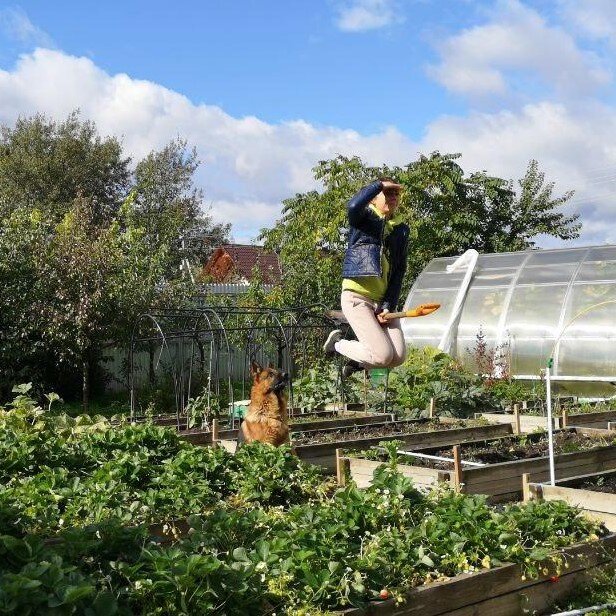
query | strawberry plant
[268, 534]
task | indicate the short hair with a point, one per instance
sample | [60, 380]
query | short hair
[389, 179]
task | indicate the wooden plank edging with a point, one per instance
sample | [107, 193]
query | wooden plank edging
[484, 590]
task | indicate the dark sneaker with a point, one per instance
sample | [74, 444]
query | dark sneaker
[329, 346]
[350, 368]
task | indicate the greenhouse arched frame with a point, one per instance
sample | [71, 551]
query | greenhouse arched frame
[526, 307]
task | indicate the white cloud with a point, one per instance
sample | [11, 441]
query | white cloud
[595, 18]
[574, 146]
[16, 25]
[482, 60]
[249, 166]
[362, 15]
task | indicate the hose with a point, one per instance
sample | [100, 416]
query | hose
[587, 610]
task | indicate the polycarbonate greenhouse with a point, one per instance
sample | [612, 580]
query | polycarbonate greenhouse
[530, 306]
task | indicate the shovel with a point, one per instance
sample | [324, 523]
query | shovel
[419, 311]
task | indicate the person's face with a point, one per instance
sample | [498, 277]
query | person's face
[387, 202]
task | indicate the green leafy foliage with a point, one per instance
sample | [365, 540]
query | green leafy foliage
[87, 245]
[267, 533]
[320, 385]
[63, 472]
[428, 373]
[342, 551]
[35, 580]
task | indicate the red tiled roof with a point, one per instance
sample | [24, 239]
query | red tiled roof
[238, 260]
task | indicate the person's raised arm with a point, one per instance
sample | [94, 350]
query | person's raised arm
[359, 202]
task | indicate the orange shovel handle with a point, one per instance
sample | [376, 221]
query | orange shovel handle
[419, 311]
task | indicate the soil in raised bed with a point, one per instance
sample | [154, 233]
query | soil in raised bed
[600, 484]
[329, 416]
[326, 416]
[392, 428]
[509, 449]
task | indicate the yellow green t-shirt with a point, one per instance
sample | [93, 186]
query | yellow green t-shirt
[373, 287]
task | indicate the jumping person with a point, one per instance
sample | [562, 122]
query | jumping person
[373, 269]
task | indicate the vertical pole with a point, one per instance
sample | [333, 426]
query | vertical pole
[215, 433]
[565, 417]
[526, 496]
[342, 465]
[548, 386]
[432, 408]
[457, 468]
[516, 419]
[365, 391]
[386, 390]
[524, 405]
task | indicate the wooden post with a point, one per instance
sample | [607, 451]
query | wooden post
[457, 468]
[215, 438]
[524, 405]
[517, 428]
[565, 418]
[342, 467]
[432, 408]
[526, 496]
[365, 391]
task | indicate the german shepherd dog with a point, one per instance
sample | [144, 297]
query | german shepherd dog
[266, 420]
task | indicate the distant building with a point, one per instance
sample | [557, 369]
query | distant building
[236, 264]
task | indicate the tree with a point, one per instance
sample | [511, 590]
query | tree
[23, 238]
[448, 212]
[86, 244]
[166, 199]
[101, 277]
[45, 165]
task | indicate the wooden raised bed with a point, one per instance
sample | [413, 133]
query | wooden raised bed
[351, 418]
[523, 422]
[598, 419]
[324, 454]
[501, 481]
[499, 591]
[600, 506]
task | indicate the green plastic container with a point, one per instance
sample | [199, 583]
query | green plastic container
[378, 376]
[239, 409]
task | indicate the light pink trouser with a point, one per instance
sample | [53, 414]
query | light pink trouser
[377, 346]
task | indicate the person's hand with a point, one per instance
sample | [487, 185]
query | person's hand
[380, 317]
[388, 185]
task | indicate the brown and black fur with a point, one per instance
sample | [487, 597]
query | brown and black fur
[266, 420]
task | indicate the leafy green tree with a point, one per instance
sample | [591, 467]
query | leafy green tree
[46, 164]
[86, 244]
[104, 276]
[448, 212]
[23, 239]
[166, 199]
[90, 281]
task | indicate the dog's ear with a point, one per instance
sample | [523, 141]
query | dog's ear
[255, 370]
[270, 365]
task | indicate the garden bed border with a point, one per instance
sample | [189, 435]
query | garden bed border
[500, 590]
[599, 506]
[501, 481]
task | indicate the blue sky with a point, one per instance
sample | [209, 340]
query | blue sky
[273, 59]
[266, 88]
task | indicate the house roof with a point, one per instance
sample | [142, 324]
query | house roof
[239, 260]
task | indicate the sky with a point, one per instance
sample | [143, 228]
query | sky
[264, 89]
